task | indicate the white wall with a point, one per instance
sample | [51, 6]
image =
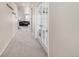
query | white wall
[64, 29]
[33, 20]
[7, 25]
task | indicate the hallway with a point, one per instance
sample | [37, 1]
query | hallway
[24, 45]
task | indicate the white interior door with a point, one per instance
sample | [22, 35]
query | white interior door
[42, 23]
[45, 23]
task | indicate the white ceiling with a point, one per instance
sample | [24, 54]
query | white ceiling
[23, 4]
[25, 7]
[27, 4]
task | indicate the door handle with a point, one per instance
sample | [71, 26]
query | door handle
[40, 25]
[46, 30]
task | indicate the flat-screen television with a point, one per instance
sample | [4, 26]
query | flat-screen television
[24, 23]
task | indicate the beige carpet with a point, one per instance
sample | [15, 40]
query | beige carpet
[24, 45]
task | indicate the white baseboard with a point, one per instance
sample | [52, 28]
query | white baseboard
[6, 45]
[42, 44]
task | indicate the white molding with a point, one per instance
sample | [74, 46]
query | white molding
[6, 45]
[42, 44]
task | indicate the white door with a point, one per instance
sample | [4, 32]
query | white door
[43, 22]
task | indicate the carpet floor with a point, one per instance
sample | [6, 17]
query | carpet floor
[24, 45]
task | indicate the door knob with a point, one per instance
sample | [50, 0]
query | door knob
[46, 30]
